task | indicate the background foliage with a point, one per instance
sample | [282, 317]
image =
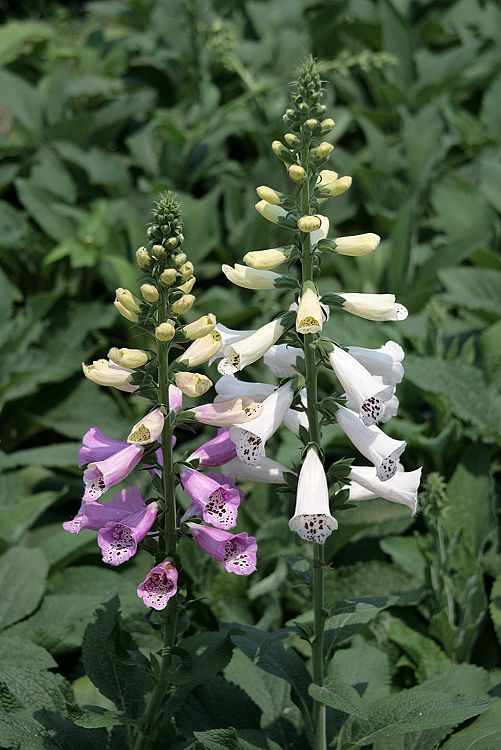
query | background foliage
[103, 107]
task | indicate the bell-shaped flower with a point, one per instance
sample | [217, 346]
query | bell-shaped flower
[357, 244]
[250, 278]
[215, 452]
[118, 540]
[148, 429]
[373, 306]
[227, 413]
[312, 518]
[295, 419]
[199, 328]
[201, 350]
[365, 393]
[267, 260]
[94, 515]
[401, 488]
[216, 502]
[266, 471]
[250, 439]
[390, 409]
[248, 350]
[159, 586]
[99, 476]
[380, 449]
[309, 317]
[96, 446]
[281, 360]
[237, 552]
[386, 362]
[104, 372]
[228, 386]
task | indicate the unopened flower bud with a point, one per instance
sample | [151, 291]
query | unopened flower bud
[127, 305]
[309, 223]
[270, 212]
[130, 358]
[143, 257]
[270, 196]
[183, 304]
[168, 276]
[179, 259]
[158, 251]
[292, 140]
[172, 242]
[186, 270]
[329, 185]
[280, 150]
[202, 349]
[357, 244]
[188, 285]
[165, 331]
[310, 125]
[327, 125]
[192, 384]
[267, 260]
[303, 107]
[324, 150]
[296, 173]
[200, 327]
[149, 293]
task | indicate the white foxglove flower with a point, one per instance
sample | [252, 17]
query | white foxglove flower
[382, 450]
[295, 419]
[228, 386]
[229, 336]
[248, 350]
[312, 519]
[321, 233]
[281, 360]
[250, 278]
[309, 317]
[364, 392]
[251, 438]
[270, 212]
[104, 372]
[266, 470]
[402, 488]
[357, 244]
[390, 409]
[385, 361]
[373, 306]
[267, 260]
[202, 350]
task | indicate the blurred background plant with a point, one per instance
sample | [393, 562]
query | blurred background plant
[101, 108]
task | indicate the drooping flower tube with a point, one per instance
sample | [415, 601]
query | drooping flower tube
[202, 349]
[175, 398]
[309, 318]
[312, 519]
[216, 502]
[104, 372]
[385, 362]
[281, 360]
[215, 452]
[357, 244]
[226, 413]
[148, 429]
[193, 384]
[266, 470]
[159, 586]
[401, 488]
[94, 515]
[96, 446]
[270, 211]
[372, 306]
[99, 476]
[237, 552]
[118, 540]
[365, 393]
[250, 278]
[320, 233]
[382, 450]
[250, 439]
[248, 350]
[228, 386]
[229, 336]
[267, 260]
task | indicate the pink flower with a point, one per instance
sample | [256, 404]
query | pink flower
[175, 398]
[96, 446]
[159, 586]
[237, 552]
[94, 515]
[217, 451]
[101, 475]
[214, 501]
[118, 540]
[225, 413]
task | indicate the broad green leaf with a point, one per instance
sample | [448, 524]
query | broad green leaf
[364, 667]
[477, 289]
[22, 581]
[428, 658]
[22, 101]
[338, 695]
[218, 739]
[14, 35]
[48, 732]
[44, 209]
[16, 518]
[346, 618]
[57, 454]
[495, 606]
[483, 734]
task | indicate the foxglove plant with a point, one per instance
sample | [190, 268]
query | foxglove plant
[293, 348]
[163, 374]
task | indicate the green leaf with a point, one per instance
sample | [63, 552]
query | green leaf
[46, 211]
[338, 695]
[15, 35]
[346, 618]
[428, 658]
[22, 580]
[22, 101]
[218, 739]
[57, 454]
[17, 517]
[477, 289]
[106, 654]
[49, 731]
[364, 667]
[401, 242]
[483, 734]
[495, 606]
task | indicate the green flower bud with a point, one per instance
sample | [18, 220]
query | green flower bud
[324, 150]
[158, 251]
[179, 259]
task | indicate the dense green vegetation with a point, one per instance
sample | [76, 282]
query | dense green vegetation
[103, 108]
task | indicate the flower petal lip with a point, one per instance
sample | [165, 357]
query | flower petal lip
[159, 586]
[119, 540]
[385, 362]
[401, 488]
[215, 452]
[148, 429]
[226, 413]
[95, 515]
[101, 475]
[237, 552]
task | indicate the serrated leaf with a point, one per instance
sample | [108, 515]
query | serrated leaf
[483, 734]
[218, 739]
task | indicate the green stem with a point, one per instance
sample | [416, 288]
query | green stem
[319, 709]
[168, 542]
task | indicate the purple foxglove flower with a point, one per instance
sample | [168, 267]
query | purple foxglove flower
[94, 515]
[99, 476]
[216, 503]
[175, 398]
[96, 446]
[118, 540]
[159, 586]
[217, 451]
[225, 413]
[237, 552]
